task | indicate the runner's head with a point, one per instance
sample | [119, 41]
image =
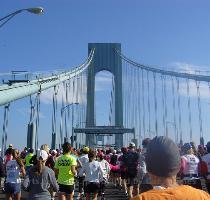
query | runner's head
[187, 148]
[66, 148]
[162, 157]
[53, 152]
[43, 155]
[31, 151]
[85, 150]
[208, 147]
[45, 147]
[145, 142]
[124, 150]
[132, 145]
[91, 155]
[201, 149]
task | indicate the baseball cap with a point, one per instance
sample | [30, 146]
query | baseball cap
[86, 149]
[10, 145]
[54, 152]
[187, 146]
[162, 157]
[43, 155]
[132, 145]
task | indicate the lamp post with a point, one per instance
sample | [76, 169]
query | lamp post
[63, 109]
[37, 10]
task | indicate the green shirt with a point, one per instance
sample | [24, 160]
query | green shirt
[28, 158]
[63, 164]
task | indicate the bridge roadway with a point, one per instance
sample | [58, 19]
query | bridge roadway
[111, 193]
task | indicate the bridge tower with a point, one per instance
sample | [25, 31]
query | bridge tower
[105, 58]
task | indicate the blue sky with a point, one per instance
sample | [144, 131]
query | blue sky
[161, 33]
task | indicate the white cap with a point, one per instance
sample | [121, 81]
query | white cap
[132, 145]
[54, 151]
[43, 154]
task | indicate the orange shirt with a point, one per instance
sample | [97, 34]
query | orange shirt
[182, 192]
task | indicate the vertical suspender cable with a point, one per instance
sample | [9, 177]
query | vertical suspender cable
[148, 104]
[126, 100]
[5, 128]
[139, 107]
[155, 102]
[65, 114]
[37, 121]
[61, 124]
[54, 119]
[163, 104]
[135, 104]
[179, 108]
[200, 112]
[143, 105]
[189, 109]
[174, 110]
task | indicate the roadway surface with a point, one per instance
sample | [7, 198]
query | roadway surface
[111, 193]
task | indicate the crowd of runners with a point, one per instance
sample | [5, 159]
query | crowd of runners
[146, 173]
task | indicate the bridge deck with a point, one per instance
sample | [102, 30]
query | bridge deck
[111, 193]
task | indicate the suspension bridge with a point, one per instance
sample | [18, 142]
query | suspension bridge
[144, 101]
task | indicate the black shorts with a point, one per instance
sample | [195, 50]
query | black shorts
[91, 187]
[68, 189]
[131, 181]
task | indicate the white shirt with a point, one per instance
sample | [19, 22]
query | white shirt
[105, 167]
[191, 164]
[93, 171]
[83, 159]
[13, 172]
[206, 159]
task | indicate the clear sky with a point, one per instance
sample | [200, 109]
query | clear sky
[162, 33]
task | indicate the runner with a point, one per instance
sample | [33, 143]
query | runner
[143, 174]
[27, 160]
[206, 159]
[106, 171]
[115, 169]
[14, 168]
[131, 162]
[189, 167]
[65, 169]
[123, 170]
[82, 160]
[163, 163]
[39, 179]
[94, 174]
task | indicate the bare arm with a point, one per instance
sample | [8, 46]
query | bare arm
[73, 170]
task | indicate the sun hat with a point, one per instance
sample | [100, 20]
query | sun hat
[162, 157]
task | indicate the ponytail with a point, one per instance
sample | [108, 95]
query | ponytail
[39, 166]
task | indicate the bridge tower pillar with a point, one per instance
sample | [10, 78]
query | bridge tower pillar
[105, 58]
